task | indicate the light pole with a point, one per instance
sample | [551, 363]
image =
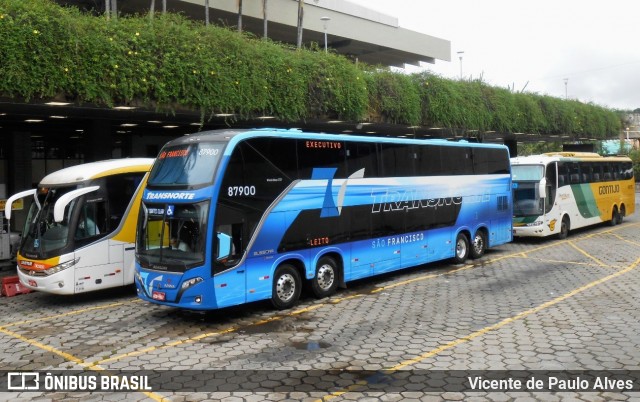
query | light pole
[325, 25]
[460, 53]
[566, 93]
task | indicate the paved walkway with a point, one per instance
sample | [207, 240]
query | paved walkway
[565, 312]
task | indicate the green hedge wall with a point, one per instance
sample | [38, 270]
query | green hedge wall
[171, 63]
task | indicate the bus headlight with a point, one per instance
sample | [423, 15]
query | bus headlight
[536, 223]
[139, 278]
[191, 282]
[61, 267]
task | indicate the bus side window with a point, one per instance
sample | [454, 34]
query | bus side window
[321, 154]
[430, 161]
[562, 174]
[458, 160]
[362, 156]
[628, 170]
[575, 178]
[397, 161]
[574, 172]
[597, 172]
[586, 173]
[121, 189]
[92, 220]
[607, 172]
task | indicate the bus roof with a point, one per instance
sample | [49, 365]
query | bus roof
[94, 170]
[548, 157]
[227, 135]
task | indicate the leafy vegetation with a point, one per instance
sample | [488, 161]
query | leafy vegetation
[635, 157]
[171, 63]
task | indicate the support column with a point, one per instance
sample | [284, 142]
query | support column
[513, 147]
[19, 163]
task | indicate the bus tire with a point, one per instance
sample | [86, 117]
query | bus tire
[565, 226]
[621, 214]
[287, 287]
[325, 282]
[461, 249]
[615, 217]
[478, 245]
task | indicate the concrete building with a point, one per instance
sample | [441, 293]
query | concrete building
[631, 134]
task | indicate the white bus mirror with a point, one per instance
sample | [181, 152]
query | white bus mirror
[13, 198]
[224, 246]
[63, 201]
[542, 188]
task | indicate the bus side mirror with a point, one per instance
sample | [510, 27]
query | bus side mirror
[542, 188]
[224, 246]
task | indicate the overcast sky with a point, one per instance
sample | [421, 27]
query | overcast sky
[535, 45]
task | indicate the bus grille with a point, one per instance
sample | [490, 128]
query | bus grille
[31, 272]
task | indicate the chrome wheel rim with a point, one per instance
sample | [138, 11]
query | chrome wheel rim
[461, 248]
[286, 287]
[325, 277]
[478, 244]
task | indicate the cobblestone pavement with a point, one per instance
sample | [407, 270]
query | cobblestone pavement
[532, 308]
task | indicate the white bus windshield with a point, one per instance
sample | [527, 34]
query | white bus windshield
[186, 165]
[43, 236]
[526, 196]
[526, 199]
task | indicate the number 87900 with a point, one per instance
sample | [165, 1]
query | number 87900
[240, 191]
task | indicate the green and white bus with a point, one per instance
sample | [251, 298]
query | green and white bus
[556, 192]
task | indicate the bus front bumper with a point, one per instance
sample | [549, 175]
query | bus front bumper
[56, 284]
[530, 232]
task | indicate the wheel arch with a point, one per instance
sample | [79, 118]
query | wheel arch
[464, 230]
[483, 228]
[295, 260]
[564, 215]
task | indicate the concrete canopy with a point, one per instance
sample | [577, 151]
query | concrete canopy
[359, 32]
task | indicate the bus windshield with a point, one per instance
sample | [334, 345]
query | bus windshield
[186, 165]
[172, 236]
[527, 172]
[43, 236]
[526, 197]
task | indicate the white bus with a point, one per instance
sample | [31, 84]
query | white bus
[559, 191]
[80, 230]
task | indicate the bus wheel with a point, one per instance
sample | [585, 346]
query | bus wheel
[478, 245]
[615, 217]
[621, 214]
[462, 249]
[286, 287]
[565, 226]
[326, 280]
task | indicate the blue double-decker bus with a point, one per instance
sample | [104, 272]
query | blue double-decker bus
[235, 216]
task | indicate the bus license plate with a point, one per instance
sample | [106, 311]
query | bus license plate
[155, 295]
